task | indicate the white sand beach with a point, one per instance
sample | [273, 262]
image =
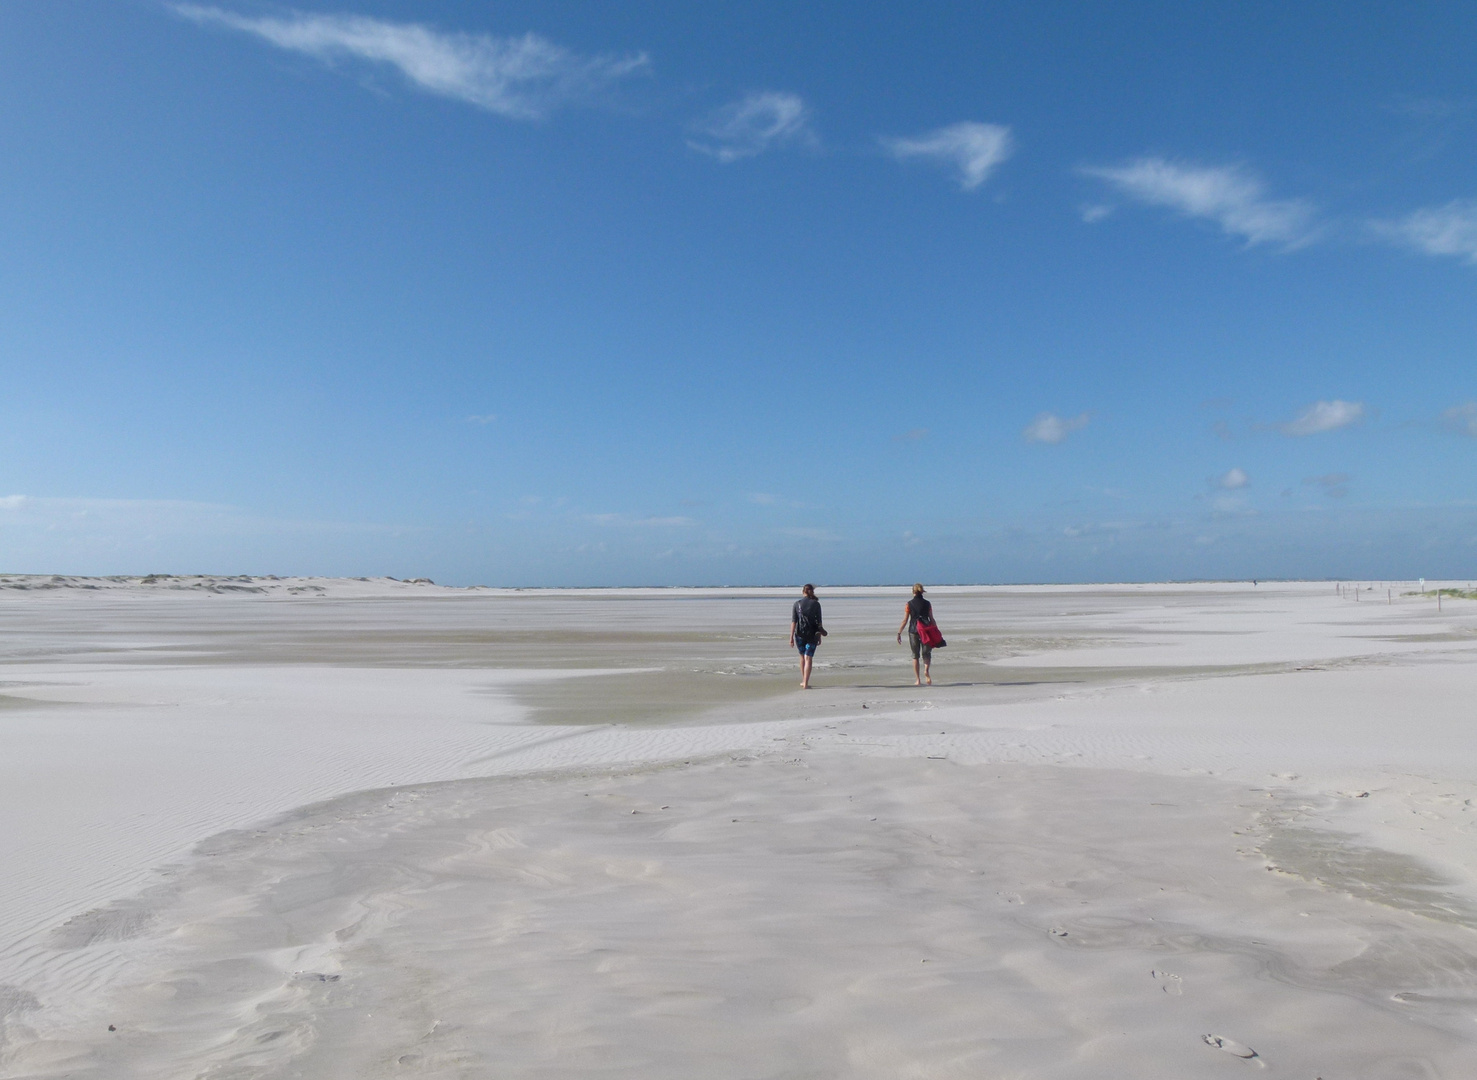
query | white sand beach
[327, 828]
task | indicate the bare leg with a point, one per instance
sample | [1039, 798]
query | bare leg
[927, 674]
[916, 682]
[805, 665]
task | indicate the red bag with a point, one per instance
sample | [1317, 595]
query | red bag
[929, 634]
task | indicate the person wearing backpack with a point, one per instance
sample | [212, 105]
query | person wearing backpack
[915, 612]
[806, 631]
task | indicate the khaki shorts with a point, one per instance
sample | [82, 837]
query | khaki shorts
[926, 651]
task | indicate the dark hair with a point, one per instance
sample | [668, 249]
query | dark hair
[808, 590]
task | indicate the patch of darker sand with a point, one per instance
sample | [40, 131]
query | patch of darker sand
[1340, 861]
[724, 689]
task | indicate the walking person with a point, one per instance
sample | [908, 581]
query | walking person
[915, 610]
[806, 631]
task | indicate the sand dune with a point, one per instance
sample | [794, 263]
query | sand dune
[1131, 831]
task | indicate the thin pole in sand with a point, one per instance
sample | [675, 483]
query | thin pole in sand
[1438, 601]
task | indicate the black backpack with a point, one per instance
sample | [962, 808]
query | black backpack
[804, 628]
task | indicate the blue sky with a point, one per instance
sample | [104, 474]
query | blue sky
[584, 293]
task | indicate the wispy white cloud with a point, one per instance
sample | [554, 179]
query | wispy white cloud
[1324, 416]
[1232, 479]
[1462, 419]
[972, 149]
[1092, 213]
[1439, 230]
[753, 124]
[1229, 195]
[486, 418]
[1052, 429]
[523, 78]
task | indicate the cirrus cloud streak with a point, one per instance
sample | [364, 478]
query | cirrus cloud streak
[972, 149]
[1324, 416]
[1449, 230]
[753, 124]
[522, 78]
[1229, 195]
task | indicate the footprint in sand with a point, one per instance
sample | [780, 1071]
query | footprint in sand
[1230, 1046]
[1169, 983]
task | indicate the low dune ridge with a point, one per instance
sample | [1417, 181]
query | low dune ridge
[1131, 830]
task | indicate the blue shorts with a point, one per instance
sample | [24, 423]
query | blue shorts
[807, 648]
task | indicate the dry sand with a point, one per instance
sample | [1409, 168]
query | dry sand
[363, 829]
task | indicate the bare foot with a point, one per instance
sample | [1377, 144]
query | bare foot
[917, 683]
[930, 680]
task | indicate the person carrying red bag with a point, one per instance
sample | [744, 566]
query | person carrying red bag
[923, 634]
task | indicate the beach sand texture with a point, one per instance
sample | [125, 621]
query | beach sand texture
[283, 828]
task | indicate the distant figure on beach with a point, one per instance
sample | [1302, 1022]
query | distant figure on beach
[806, 631]
[915, 609]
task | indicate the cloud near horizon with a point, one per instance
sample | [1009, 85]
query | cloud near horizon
[751, 125]
[1228, 195]
[1232, 479]
[1324, 416]
[1462, 419]
[1052, 429]
[521, 78]
[974, 149]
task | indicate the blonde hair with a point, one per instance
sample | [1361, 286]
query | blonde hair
[918, 589]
